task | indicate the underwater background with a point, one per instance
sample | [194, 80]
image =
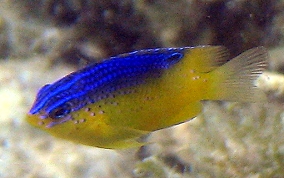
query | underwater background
[41, 41]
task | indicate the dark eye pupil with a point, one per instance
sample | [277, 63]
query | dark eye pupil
[61, 111]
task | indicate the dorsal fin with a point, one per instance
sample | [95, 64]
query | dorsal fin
[207, 58]
[86, 60]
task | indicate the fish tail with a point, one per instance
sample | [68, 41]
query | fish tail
[235, 80]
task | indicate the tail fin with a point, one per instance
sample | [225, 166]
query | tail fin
[234, 81]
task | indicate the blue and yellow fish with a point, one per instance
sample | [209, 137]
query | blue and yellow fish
[112, 103]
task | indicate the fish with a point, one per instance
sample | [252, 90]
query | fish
[113, 103]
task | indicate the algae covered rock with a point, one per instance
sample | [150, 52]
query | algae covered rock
[39, 39]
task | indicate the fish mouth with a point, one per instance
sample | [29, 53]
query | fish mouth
[44, 119]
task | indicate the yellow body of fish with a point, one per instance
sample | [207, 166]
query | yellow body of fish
[202, 74]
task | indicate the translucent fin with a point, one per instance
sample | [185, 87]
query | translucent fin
[235, 80]
[86, 60]
[185, 114]
[125, 144]
[123, 137]
[207, 58]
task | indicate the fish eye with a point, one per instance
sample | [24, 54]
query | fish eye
[61, 111]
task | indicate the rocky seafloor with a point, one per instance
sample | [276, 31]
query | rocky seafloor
[41, 42]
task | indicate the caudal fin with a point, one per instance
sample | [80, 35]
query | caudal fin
[235, 80]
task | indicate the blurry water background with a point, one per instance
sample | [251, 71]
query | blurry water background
[41, 41]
